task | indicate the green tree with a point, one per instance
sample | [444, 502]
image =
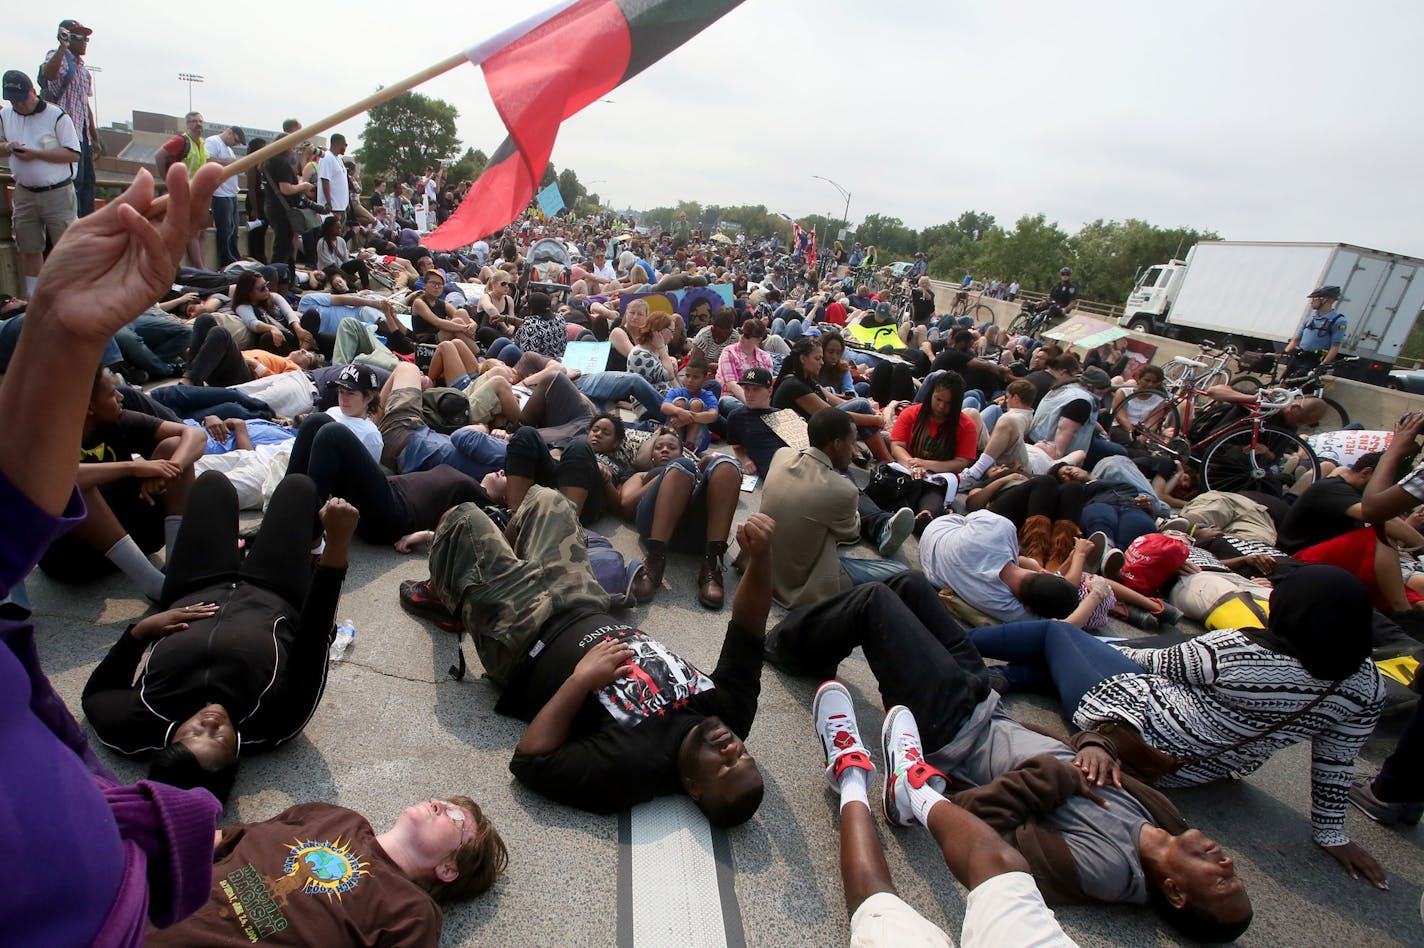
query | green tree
[570, 188]
[892, 239]
[550, 176]
[953, 246]
[469, 167]
[408, 134]
[1031, 253]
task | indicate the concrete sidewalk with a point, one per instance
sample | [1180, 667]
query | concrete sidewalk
[394, 728]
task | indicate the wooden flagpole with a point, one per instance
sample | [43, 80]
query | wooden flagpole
[280, 145]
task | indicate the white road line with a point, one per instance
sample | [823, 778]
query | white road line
[675, 896]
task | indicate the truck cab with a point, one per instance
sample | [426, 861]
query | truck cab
[1151, 298]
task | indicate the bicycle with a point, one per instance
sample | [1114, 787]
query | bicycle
[1204, 372]
[1312, 384]
[1240, 455]
[1032, 318]
[979, 313]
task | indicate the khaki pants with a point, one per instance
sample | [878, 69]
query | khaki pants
[1235, 515]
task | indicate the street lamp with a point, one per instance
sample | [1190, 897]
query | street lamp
[189, 78]
[845, 215]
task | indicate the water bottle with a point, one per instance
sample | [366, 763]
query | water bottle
[345, 634]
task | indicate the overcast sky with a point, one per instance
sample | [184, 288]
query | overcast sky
[1266, 120]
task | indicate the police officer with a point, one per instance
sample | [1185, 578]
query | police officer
[1064, 293]
[1318, 340]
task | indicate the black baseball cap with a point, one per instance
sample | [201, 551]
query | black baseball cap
[358, 378]
[17, 85]
[1327, 292]
[74, 26]
[756, 375]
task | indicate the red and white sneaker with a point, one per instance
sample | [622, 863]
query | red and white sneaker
[905, 766]
[834, 714]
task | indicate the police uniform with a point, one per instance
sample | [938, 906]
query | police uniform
[1063, 293]
[1318, 333]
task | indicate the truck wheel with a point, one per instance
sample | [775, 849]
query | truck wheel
[1141, 325]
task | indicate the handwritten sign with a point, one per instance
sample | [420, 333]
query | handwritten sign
[789, 427]
[587, 357]
[1347, 447]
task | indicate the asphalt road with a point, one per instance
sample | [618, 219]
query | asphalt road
[394, 728]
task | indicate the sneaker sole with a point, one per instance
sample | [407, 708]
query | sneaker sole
[887, 807]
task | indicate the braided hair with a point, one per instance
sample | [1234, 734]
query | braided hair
[938, 447]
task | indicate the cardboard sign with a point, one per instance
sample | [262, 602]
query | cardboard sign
[1347, 447]
[789, 427]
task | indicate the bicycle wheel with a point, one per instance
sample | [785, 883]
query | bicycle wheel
[1020, 324]
[1153, 410]
[1201, 400]
[982, 314]
[1248, 384]
[1276, 461]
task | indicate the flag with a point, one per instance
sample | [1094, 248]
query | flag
[548, 68]
[551, 200]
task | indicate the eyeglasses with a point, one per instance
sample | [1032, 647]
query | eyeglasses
[260, 288]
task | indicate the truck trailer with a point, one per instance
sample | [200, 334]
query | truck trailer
[1255, 294]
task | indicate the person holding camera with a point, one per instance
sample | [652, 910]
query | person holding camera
[284, 191]
[66, 82]
[43, 147]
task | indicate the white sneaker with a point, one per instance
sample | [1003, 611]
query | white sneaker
[905, 766]
[896, 530]
[834, 714]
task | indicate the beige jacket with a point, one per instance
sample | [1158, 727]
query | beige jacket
[815, 509]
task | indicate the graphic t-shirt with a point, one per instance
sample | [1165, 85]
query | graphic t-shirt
[622, 746]
[312, 875]
[131, 433]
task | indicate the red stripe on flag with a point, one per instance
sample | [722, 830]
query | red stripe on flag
[536, 82]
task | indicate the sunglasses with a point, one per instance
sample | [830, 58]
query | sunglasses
[261, 287]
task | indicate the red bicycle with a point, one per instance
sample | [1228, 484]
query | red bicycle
[1242, 454]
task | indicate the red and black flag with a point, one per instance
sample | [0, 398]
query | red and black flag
[547, 69]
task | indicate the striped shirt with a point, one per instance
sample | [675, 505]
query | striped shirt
[1201, 697]
[73, 96]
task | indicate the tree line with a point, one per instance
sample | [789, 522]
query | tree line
[412, 132]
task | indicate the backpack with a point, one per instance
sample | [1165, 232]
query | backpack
[1150, 560]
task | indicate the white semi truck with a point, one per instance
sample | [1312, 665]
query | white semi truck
[1255, 294]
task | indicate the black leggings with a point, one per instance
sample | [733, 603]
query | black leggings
[325, 341]
[529, 457]
[559, 410]
[891, 382]
[278, 558]
[281, 231]
[1040, 496]
[216, 360]
[340, 466]
[919, 655]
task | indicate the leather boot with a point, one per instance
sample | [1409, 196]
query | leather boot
[1034, 538]
[650, 578]
[1060, 546]
[709, 579]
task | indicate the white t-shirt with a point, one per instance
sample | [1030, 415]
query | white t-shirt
[605, 272]
[967, 554]
[363, 428]
[332, 170]
[41, 130]
[217, 148]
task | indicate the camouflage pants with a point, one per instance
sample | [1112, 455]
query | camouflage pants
[505, 591]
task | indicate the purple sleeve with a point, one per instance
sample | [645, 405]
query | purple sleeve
[29, 531]
[174, 829]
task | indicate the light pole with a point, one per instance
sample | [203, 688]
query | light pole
[845, 215]
[189, 78]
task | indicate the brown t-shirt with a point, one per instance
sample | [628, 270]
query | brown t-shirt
[312, 875]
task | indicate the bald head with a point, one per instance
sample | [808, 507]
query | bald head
[1307, 411]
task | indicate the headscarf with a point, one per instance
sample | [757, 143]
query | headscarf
[1320, 615]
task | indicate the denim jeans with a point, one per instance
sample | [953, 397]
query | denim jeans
[1122, 524]
[990, 415]
[166, 336]
[507, 352]
[1121, 470]
[870, 571]
[604, 387]
[1046, 654]
[861, 406]
[195, 401]
[788, 329]
[84, 180]
[137, 353]
[225, 224]
[1101, 448]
